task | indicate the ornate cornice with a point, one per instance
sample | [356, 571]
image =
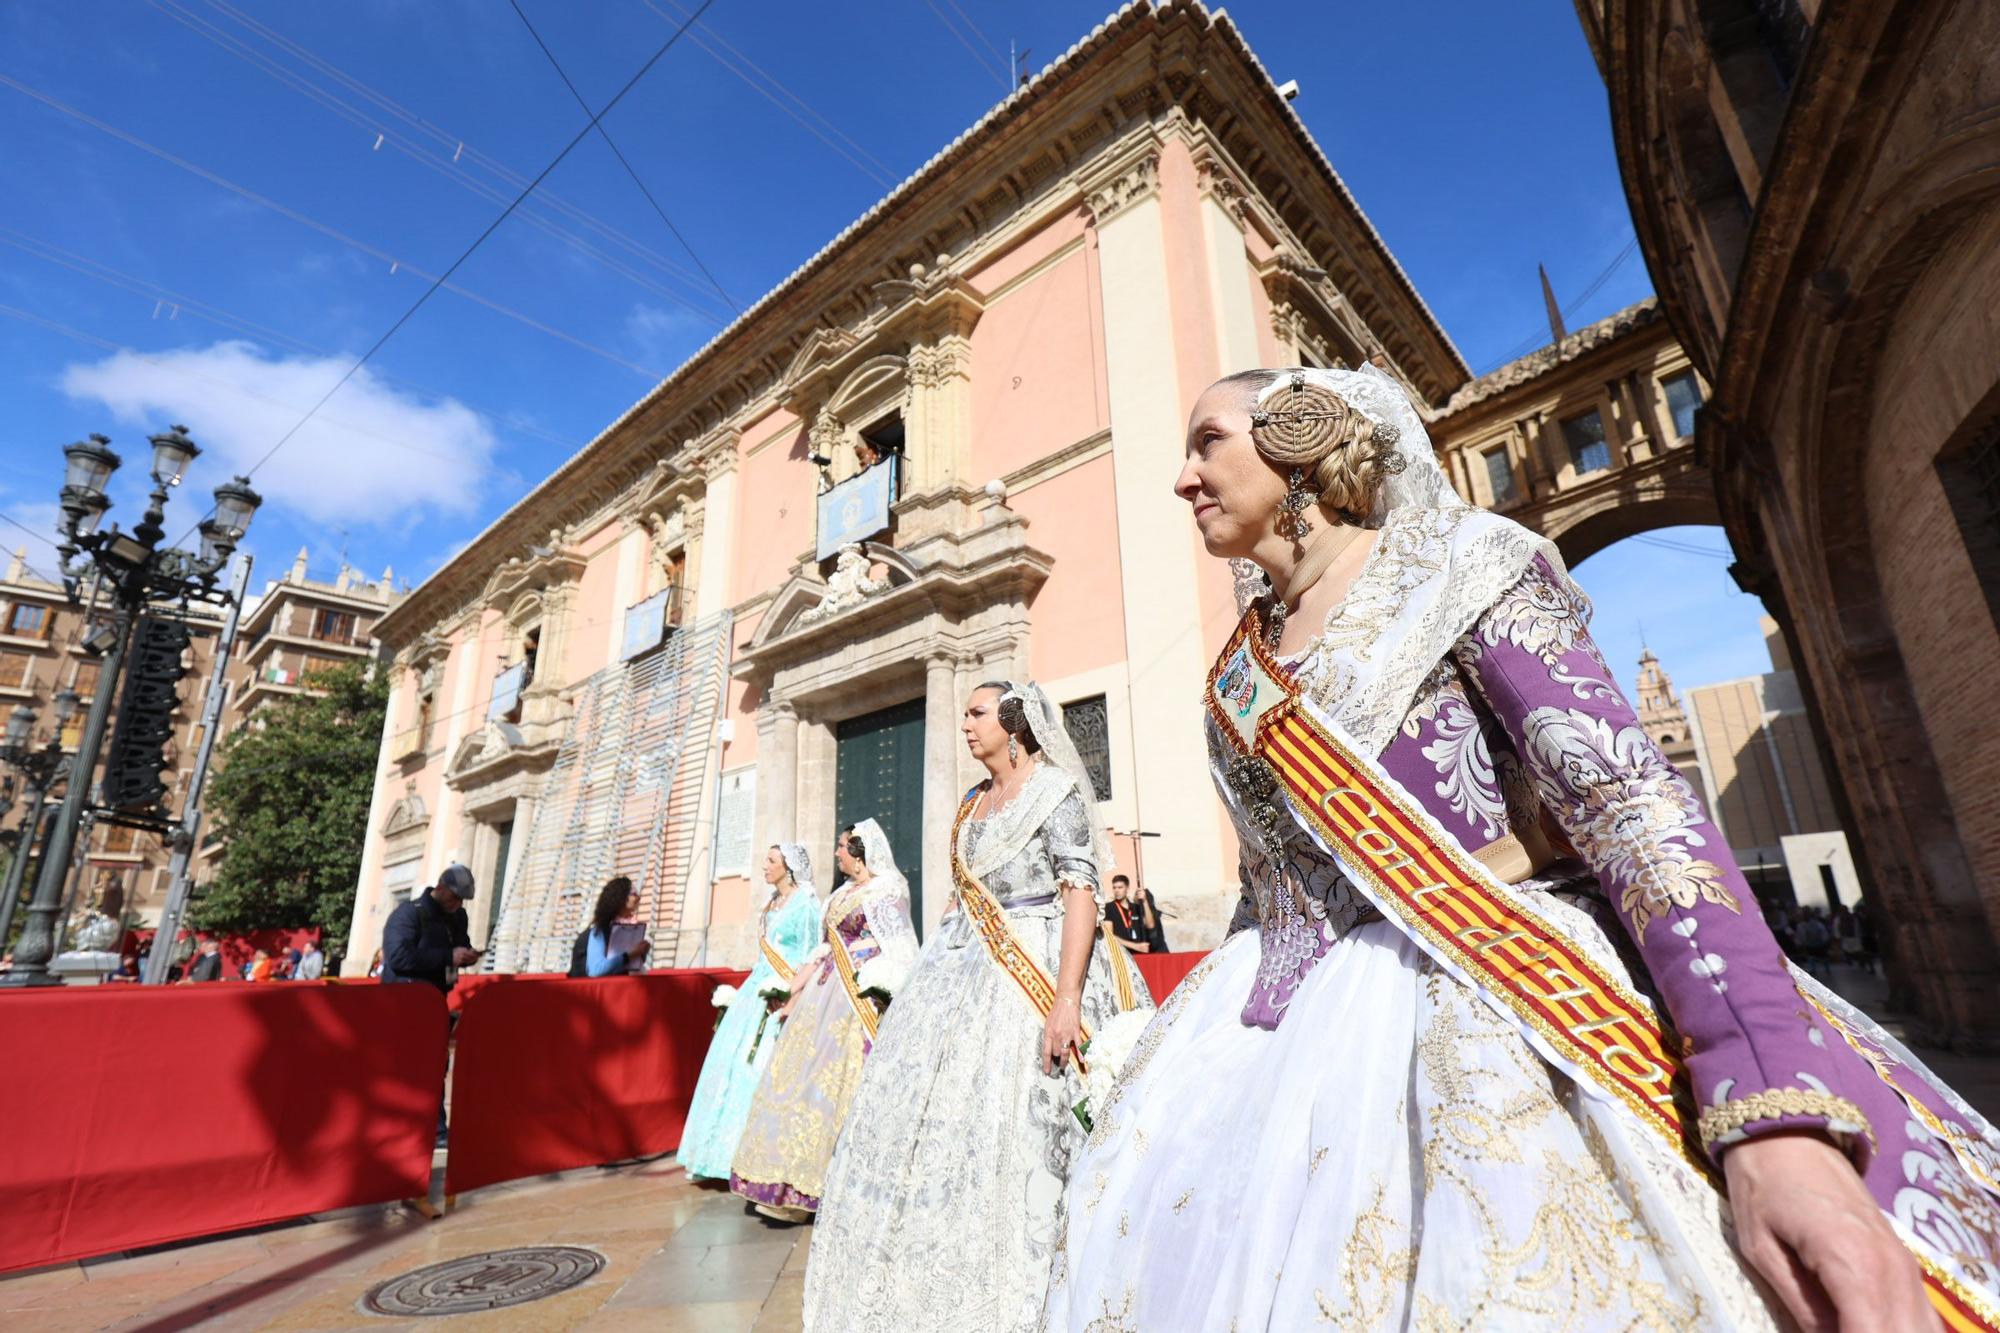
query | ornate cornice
[1122, 183]
[1146, 66]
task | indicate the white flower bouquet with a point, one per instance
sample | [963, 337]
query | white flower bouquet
[882, 977]
[722, 997]
[1105, 1056]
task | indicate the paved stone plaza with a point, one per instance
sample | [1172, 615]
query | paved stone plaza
[678, 1258]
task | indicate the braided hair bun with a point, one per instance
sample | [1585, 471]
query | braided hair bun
[1344, 453]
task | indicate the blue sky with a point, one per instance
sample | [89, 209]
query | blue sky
[231, 288]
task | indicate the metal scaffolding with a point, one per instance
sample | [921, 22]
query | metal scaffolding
[623, 797]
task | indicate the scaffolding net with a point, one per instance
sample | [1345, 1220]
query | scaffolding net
[625, 796]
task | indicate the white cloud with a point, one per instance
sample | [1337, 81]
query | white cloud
[373, 455]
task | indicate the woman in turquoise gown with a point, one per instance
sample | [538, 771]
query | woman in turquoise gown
[788, 929]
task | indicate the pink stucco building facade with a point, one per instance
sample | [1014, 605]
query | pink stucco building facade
[1022, 326]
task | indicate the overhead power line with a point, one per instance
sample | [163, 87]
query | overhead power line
[708, 40]
[965, 42]
[631, 171]
[1540, 338]
[453, 159]
[126, 282]
[469, 250]
[295, 215]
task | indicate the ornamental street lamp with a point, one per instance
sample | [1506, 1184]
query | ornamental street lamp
[40, 767]
[133, 570]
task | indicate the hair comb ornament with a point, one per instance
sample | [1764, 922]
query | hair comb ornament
[1312, 422]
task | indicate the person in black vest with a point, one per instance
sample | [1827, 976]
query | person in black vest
[427, 938]
[1133, 917]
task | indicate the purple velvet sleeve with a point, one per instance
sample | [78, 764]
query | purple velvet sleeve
[1761, 1058]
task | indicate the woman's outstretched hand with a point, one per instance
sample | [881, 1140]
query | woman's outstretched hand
[1810, 1229]
[1059, 1032]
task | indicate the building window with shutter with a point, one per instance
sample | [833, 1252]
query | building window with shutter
[1683, 393]
[17, 671]
[28, 621]
[1588, 449]
[1088, 723]
[333, 626]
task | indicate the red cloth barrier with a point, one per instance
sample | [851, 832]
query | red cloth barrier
[554, 1074]
[237, 949]
[154, 1114]
[1163, 971]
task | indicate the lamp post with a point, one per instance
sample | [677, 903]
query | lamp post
[40, 767]
[134, 570]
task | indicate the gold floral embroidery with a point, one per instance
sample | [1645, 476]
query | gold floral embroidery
[1124, 1225]
[1374, 1271]
[1319, 1155]
[1180, 1204]
[1113, 1321]
[1098, 1184]
[1731, 1116]
[1138, 1143]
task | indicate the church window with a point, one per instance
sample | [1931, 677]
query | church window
[1588, 449]
[1089, 726]
[1499, 475]
[1683, 398]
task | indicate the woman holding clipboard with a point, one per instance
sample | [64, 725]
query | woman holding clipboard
[616, 943]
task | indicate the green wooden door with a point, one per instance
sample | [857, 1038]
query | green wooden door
[879, 775]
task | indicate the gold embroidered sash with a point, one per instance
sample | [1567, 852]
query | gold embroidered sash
[843, 966]
[1002, 944]
[1120, 959]
[777, 961]
[1584, 1019]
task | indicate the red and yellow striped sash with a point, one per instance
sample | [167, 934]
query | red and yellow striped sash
[1585, 1019]
[843, 966]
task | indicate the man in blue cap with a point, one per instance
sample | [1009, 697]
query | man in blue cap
[428, 937]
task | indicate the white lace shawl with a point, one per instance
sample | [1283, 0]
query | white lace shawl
[1438, 564]
[1004, 835]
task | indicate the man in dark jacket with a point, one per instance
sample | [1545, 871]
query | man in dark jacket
[428, 936]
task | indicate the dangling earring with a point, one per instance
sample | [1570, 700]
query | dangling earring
[1013, 751]
[1292, 520]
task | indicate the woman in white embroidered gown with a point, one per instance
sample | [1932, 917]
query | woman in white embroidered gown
[1342, 1119]
[940, 1206]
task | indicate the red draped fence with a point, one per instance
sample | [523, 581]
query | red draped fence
[142, 1115]
[138, 1115]
[553, 1073]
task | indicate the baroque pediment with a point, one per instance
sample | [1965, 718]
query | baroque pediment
[823, 349]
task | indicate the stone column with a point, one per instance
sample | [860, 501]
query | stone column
[718, 532]
[364, 924]
[942, 748]
[1163, 646]
[777, 773]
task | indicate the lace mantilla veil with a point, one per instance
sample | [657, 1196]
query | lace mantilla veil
[1045, 721]
[1438, 565]
[799, 862]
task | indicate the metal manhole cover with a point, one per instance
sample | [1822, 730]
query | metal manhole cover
[489, 1281]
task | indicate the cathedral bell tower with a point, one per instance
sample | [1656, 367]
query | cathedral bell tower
[1661, 714]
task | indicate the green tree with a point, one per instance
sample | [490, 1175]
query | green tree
[289, 800]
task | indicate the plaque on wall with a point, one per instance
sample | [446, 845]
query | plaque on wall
[735, 823]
